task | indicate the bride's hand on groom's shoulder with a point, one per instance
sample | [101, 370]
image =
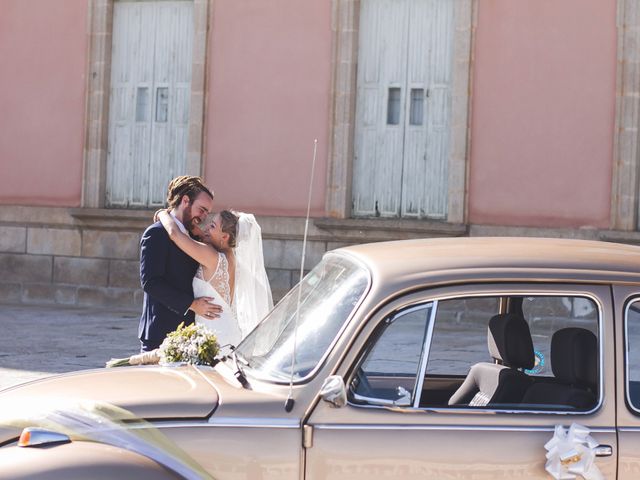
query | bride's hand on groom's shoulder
[156, 216]
[202, 306]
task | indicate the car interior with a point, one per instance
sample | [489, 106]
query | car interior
[511, 378]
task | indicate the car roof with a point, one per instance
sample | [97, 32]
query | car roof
[496, 258]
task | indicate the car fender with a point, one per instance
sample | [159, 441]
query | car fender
[79, 460]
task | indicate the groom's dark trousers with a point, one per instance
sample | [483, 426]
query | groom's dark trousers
[166, 275]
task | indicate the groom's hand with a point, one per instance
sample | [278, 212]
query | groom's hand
[202, 306]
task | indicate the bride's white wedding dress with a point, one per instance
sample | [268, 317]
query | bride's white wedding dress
[217, 287]
[252, 293]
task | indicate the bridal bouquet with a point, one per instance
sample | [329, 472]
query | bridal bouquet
[194, 344]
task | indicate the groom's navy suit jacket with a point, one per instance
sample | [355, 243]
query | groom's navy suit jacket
[166, 275]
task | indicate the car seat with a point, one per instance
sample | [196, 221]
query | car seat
[511, 347]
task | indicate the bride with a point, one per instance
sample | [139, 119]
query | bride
[231, 271]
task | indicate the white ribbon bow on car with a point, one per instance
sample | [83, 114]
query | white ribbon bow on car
[571, 452]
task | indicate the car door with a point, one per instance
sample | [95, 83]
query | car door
[413, 353]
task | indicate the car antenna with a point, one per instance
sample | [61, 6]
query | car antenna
[288, 405]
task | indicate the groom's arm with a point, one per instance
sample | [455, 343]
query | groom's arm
[154, 248]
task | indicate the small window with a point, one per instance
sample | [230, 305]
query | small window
[142, 104]
[393, 106]
[389, 372]
[162, 105]
[633, 354]
[416, 109]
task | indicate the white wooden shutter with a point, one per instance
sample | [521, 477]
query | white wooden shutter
[426, 148]
[377, 169]
[150, 92]
[406, 49]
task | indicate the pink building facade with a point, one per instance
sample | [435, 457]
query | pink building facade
[536, 133]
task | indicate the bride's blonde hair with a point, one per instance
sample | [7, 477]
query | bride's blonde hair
[229, 221]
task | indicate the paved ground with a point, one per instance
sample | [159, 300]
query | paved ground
[36, 341]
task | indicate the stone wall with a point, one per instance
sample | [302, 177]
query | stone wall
[89, 257]
[93, 260]
[69, 266]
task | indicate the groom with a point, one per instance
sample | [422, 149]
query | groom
[166, 272]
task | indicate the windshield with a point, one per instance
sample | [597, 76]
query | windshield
[328, 296]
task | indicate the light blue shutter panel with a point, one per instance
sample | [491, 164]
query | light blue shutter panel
[403, 108]
[377, 174]
[172, 83]
[181, 98]
[150, 95]
[119, 142]
[426, 154]
[141, 66]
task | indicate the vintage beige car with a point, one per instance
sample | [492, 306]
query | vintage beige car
[443, 358]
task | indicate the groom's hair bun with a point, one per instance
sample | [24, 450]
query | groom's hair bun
[185, 185]
[229, 225]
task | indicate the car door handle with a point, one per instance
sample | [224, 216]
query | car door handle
[603, 451]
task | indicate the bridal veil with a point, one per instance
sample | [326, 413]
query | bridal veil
[253, 298]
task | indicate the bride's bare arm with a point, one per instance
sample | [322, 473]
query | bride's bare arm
[200, 252]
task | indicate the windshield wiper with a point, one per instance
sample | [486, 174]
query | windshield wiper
[239, 373]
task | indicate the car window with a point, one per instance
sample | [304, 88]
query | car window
[461, 329]
[519, 374]
[633, 354]
[546, 315]
[444, 355]
[389, 370]
[306, 322]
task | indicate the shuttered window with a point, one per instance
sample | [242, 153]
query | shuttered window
[149, 100]
[403, 108]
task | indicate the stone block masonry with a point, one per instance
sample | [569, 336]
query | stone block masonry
[90, 257]
[53, 241]
[67, 263]
[13, 239]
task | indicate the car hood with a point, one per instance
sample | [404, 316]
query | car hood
[151, 393]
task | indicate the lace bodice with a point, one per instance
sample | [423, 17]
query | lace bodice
[218, 289]
[220, 278]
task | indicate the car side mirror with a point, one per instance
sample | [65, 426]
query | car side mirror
[334, 391]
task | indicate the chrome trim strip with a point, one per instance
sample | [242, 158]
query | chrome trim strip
[253, 422]
[629, 429]
[426, 348]
[235, 422]
[473, 410]
[378, 401]
[330, 426]
[632, 299]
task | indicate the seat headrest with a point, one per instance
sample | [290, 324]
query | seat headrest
[510, 341]
[574, 356]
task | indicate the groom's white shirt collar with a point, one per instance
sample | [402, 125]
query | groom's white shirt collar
[181, 226]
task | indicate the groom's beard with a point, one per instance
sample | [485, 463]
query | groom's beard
[187, 218]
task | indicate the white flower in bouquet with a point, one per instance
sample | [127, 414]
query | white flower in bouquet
[194, 344]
